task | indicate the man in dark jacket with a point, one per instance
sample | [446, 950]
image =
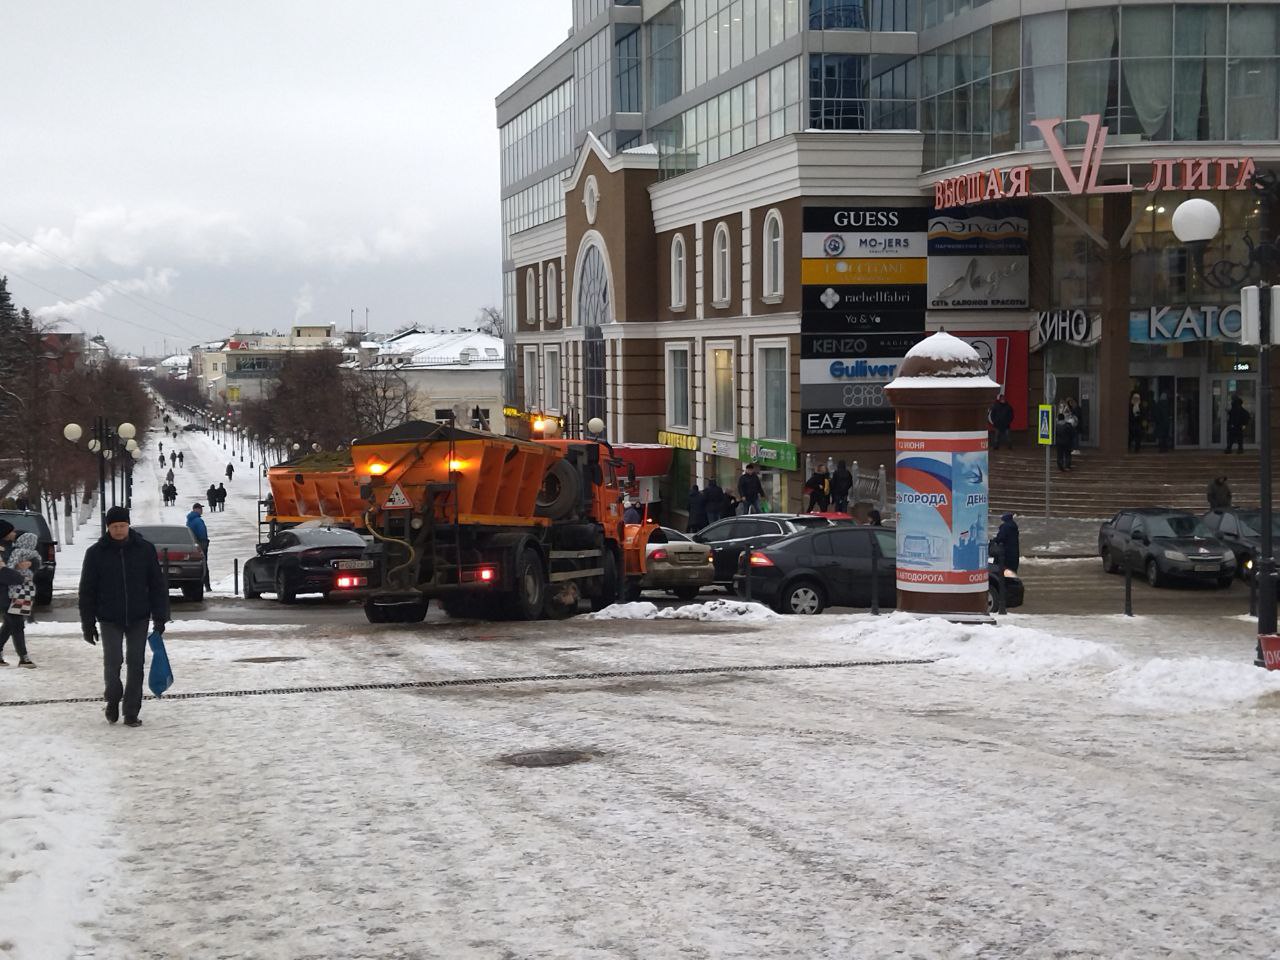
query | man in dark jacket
[750, 489]
[841, 485]
[121, 588]
[1001, 417]
[697, 510]
[1237, 422]
[713, 501]
[1006, 541]
[1219, 493]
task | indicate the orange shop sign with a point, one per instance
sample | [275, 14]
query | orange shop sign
[1217, 173]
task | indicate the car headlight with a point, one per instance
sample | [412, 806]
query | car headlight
[1175, 555]
[1248, 564]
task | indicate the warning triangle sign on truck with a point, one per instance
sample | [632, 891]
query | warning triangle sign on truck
[396, 499]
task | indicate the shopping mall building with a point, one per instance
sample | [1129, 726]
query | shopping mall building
[725, 221]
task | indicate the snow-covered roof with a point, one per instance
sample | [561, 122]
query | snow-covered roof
[419, 349]
[178, 360]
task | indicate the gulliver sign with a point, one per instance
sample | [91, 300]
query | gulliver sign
[1218, 173]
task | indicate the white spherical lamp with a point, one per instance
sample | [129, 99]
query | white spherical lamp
[136, 453]
[1196, 221]
[595, 425]
[131, 445]
[94, 446]
[72, 432]
[127, 431]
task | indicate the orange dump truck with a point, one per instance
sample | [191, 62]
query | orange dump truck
[492, 527]
[320, 486]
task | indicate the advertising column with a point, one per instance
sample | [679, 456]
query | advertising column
[864, 288]
[940, 399]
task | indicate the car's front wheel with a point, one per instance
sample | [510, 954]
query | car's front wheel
[803, 598]
[1109, 564]
[1153, 574]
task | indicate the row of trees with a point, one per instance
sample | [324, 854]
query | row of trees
[46, 383]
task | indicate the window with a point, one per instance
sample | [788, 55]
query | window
[531, 379]
[720, 267]
[678, 387]
[772, 420]
[530, 296]
[553, 293]
[679, 278]
[552, 385]
[1124, 522]
[773, 256]
[444, 414]
[721, 391]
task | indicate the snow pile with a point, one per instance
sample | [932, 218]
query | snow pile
[713, 611]
[1197, 683]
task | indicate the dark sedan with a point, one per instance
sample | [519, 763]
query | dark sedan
[28, 521]
[1241, 530]
[329, 560]
[181, 558]
[728, 538]
[1165, 546]
[809, 571]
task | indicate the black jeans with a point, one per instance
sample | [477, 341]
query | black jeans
[204, 546]
[14, 625]
[1003, 437]
[128, 646]
[1064, 456]
[1235, 440]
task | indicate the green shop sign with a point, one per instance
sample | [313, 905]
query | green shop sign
[772, 454]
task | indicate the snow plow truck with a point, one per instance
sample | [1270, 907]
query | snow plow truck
[493, 527]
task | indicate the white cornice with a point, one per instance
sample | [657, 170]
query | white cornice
[545, 242]
[626, 160]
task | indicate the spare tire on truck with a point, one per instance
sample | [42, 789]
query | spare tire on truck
[561, 491]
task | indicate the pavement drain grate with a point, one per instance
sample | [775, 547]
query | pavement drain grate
[568, 649]
[267, 659]
[545, 758]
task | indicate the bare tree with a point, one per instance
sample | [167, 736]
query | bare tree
[379, 399]
[489, 320]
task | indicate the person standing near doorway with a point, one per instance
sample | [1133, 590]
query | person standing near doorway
[1001, 417]
[1237, 423]
[1064, 435]
[1137, 422]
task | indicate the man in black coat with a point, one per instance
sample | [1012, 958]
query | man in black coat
[697, 510]
[1001, 417]
[713, 501]
[121, 588]
[841, 484]
[1006, 542]
[750, 489]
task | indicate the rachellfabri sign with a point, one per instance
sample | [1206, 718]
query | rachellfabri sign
[983, 186]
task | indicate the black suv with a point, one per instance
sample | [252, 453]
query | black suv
[727, 538]
[28, 521]
[1165, 545]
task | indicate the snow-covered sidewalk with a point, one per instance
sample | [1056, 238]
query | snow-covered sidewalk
[1034, 793]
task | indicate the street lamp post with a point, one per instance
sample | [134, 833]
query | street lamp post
[104, 444]
[1195, 223]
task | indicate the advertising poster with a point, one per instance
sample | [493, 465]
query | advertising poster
[942, 497]
[979, 259]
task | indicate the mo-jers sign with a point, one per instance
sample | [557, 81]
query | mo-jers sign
[1219, 173]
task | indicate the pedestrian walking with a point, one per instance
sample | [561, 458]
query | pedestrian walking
[222, 499]
[1007, 549]
[162, 445]
[181, 458]
[750, 489]
[173, 458]
[121, 588]
[1064, 435]
[1001, 418]
[211, 495]
[1237, 422]
[841, 486]
[168, 477]
[230, 470]
[162, 461]
[1218, 494]
[195, 523]
[713, 501]
[18, 564]
[819, 487]
[697, 510]
[1137, 421]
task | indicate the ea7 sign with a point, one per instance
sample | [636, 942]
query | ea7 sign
[1219, 173]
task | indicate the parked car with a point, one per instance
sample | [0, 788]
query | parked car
[728, 538]
[311, 559]
[29, 521]
[674, 562]
[1165, 545]
[1241, 530]
[809, 571]
[194, 426]
[181, 558]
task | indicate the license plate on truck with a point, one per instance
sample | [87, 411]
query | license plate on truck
[353, 564]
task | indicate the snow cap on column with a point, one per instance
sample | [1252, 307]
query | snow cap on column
[942, 361]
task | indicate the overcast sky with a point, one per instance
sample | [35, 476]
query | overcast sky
[243, 163]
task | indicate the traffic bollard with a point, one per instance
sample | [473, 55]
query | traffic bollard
[235, 566]
[1253, 595]
[1128, 589]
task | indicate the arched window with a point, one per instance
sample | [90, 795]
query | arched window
[771, 286]
[720, 267]
[530, 296]
[553, 293]
[679, 279]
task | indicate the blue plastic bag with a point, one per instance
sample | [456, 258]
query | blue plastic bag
[160, 677]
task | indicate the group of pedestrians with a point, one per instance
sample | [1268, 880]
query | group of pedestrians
[829, 489]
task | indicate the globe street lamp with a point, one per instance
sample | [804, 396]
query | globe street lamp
[1195, 223]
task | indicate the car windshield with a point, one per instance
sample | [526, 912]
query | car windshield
[808, 523]
[1178, 526]
[675, 536]
[1251, 523]
[26, 523]
[165, 534]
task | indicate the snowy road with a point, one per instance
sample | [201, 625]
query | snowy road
[1055, 787]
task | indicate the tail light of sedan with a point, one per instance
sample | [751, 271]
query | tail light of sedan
[347, 583]
[758, 559]
[51, 553]
[660, 554]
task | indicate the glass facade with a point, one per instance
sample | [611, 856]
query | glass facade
[892, 15]
[1154, 73]
[592, 79]
[845, 94]
[539, 136]
[628, 68]
[762, 109]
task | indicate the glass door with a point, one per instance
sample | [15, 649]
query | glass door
[1186, 412]
[1222, 389]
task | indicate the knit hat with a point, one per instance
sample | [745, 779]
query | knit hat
[117, 514]
[6, 528]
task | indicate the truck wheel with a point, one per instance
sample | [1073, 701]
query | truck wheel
[529, 596]
[409, 613]
[561, 491]
[608, 582]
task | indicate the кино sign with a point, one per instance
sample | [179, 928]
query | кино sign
[1075, 327]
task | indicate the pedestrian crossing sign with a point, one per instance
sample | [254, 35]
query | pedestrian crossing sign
[396, 500]
[1044, 435]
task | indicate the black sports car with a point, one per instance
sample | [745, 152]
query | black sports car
[311, 559]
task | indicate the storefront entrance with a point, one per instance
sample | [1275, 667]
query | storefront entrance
[1222, 389]
[1195, 405]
